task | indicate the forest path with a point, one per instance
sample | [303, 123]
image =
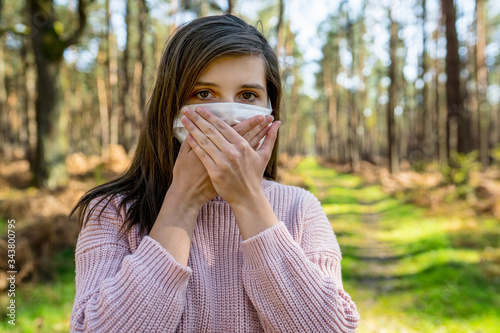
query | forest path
[406, 270]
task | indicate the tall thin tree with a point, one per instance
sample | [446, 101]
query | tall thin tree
[49, 46]
[391, 123]
[483, 109]
[457, 126]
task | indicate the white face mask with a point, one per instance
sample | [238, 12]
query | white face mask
[231, 113]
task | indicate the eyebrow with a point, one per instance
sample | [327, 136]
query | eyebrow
[248, 85]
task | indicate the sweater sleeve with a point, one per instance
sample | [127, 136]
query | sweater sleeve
[298, 288]
[117, 291]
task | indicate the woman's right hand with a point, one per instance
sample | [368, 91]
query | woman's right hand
[190, 176]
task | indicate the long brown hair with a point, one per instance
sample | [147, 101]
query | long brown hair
[188, 52]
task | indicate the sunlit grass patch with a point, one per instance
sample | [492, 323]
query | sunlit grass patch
[46, 306]
[310, 168]
[413, 230]
[423, 261]
[344, 208]
[446, 298]
[372, 193]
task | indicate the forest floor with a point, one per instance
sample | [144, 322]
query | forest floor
[408, 268]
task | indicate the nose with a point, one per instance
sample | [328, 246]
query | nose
[227, 99]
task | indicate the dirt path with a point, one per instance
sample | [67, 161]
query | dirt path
[377, 258]
[406, 269]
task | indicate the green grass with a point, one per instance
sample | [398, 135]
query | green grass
[431, 278]
[46, 306]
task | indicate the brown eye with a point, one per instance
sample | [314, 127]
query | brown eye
[248, 95]
[204, 94]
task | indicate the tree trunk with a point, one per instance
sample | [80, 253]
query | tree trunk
[3, 100]
[143, 22]
[318, 111]
[482, 85]
[441, 115]
[24, 100]
[113, 86]
[330, 89]
[392, 150]
[124, 114]
[471, 95]
[52, 144]
[48, 46]
[294, 109]
[425, 131]
[32, 125]
[110, 78]
[361, 91]
[353, 111]
[382, 149]
[102, 95]
[457, 127]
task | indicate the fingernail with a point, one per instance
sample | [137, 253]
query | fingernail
[198, 110]
[269, 118]
[184, 120]
[186, 111]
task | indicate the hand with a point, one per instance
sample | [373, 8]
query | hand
[190, 176]
[235, 169]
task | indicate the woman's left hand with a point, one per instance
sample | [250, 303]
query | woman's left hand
[235, 168]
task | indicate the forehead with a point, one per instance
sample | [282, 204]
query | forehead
[238, 67]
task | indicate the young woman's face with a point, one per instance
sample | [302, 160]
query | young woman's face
[239, 79]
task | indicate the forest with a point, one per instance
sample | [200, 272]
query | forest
[391, 116]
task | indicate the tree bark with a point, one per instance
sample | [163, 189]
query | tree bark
[393, 155]
[3, 100]
[353, 141]
[102, 95]
[425, 130]
[52, 144]
[330, 85]
[143, 23]
[294, 110]
[24, 100]
[124, 116]
[482, 85]
[457, 127]
[441, 114]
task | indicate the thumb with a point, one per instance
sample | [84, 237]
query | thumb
[185, 148]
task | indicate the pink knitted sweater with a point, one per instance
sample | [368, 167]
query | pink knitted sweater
[285, 279]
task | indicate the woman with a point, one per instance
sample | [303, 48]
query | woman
[197, 236]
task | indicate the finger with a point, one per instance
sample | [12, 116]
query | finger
[210, 130]
[215, 128]
[185, 148]
[246, 125]
[205, 158]
[201, 139]
[266, 149]
[258, 131]
[254, 143]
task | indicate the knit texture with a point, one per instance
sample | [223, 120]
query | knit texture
[285, 279]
